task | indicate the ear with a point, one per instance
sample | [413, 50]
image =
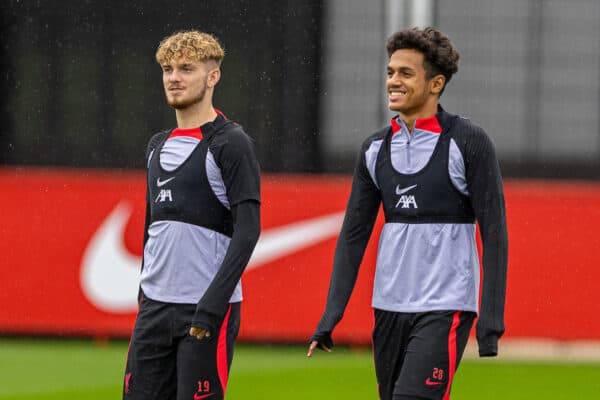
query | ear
[213, 77]
[436, 84]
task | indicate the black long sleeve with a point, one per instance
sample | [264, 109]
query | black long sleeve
[212, 307]
[484, 183]
[234, 154]
[361, 213]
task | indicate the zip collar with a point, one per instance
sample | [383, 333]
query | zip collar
[430, 124]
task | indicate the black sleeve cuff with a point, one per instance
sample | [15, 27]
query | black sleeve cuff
[488, 347]
[205, 320]
[324, 338]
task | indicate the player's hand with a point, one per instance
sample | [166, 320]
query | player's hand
[314, 344]
[199, 333]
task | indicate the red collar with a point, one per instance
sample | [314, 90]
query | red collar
[429, 124]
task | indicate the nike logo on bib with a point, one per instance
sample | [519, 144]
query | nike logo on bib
[404, 190]
[407, 200]
[160, 183]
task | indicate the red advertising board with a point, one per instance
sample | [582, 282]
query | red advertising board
[71, 244]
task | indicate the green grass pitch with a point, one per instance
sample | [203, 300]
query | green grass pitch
[84, 370]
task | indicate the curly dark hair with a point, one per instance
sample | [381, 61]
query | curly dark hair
[441, 58]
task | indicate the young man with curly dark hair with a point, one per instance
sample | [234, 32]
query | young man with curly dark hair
[202, 223]
[436, 175]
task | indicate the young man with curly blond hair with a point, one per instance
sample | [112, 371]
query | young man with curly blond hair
[435, 174]
[202, 224]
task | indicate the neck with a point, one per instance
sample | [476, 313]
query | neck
[409, 118]
[195, 115]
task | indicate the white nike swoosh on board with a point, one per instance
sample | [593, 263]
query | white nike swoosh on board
[159, 183]
[404, 190]
[278, 242]
[110, 273]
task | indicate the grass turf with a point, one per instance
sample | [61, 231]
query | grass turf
[77, 369]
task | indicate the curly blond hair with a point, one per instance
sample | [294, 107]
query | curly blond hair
[194, 45]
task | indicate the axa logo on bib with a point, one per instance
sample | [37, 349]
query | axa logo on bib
[164, 195]
[406, 200]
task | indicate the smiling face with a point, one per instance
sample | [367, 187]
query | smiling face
[410, 92]
[186, 82]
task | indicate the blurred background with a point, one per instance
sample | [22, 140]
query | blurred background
[82, 94]
[81, 87]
